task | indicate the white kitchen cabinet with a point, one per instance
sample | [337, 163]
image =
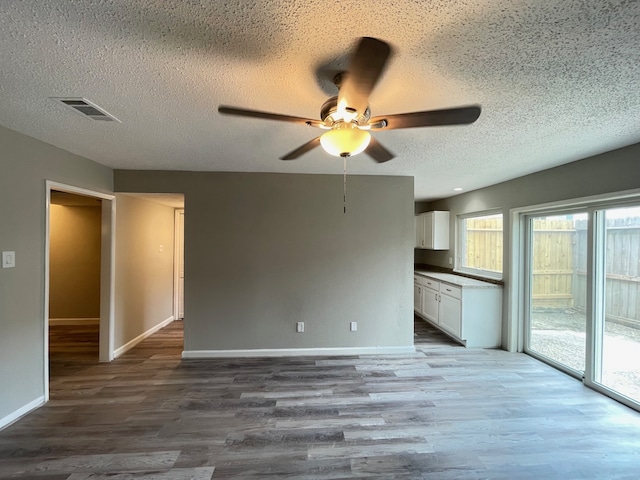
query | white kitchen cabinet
[468, 310]
[419, 224]
[432, 230]
[417, 297]
[450, 314]
[430, 301]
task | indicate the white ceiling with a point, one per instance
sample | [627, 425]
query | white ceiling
[557, 81]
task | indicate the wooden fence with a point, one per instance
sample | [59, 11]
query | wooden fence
[553, 263]
[560, 263]
[622, 264]
[484, 243]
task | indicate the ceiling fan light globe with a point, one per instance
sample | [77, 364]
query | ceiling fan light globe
[345, 139]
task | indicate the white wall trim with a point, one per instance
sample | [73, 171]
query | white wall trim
[21, 412]
[297, 352]
[107, 281]
[74, 321]
[178, 236]
[132, 343]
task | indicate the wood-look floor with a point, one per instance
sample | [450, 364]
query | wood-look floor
[443, 413]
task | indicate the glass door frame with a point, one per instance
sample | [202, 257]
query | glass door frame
[528, 285]
[518, 305]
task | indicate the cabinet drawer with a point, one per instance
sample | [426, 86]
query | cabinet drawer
[451, 290]
[430, 283]
[417, 279]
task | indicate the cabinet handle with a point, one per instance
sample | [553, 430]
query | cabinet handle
[436, 297]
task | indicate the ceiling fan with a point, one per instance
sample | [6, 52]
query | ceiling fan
[347, 116]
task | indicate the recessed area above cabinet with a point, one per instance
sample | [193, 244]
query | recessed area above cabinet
[432, 230]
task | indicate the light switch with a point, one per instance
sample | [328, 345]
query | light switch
[300, 327]
[354, 326]
[8, 259]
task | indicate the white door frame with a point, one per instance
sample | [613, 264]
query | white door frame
[178, 237]
[107, 272]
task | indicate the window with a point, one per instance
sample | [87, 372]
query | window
[480, 242]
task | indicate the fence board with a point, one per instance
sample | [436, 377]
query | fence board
[560, 259]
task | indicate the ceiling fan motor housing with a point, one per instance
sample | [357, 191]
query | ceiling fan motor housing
[330, 108]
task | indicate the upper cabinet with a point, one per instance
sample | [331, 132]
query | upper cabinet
[432, 230]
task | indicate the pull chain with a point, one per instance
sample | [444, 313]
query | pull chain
[344, 184]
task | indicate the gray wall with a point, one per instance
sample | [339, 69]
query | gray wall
[144, 274]
[25, 165]
[610, 172]
[263, 251]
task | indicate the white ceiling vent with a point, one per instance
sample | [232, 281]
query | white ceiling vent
[87, 109]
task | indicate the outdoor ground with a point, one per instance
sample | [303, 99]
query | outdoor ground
[560, 335]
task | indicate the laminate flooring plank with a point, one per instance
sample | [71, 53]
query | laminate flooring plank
[443, 412]
[110, 462]
[198, 473]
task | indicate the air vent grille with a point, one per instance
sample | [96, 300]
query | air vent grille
[87, 109]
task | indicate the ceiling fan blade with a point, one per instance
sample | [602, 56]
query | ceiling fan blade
[429, 118]
[243, 112]
[301, 150]
[365, 69]
[376, 151]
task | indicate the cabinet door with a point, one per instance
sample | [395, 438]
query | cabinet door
[450, 315]
[419, 224]
[417, 297]
[430, 304]
[432, 230]
[427, 231]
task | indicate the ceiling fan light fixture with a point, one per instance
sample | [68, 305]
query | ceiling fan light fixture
[345, 140]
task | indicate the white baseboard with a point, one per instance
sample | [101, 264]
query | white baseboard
[297, 352]
[74, 321]
[129, 345]
[21, 412]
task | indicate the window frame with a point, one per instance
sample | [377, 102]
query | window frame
[461, 245]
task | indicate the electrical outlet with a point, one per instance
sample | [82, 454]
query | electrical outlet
[450, 260]
[300, 327]
[161, 249]
[8, 259]
[353, 326]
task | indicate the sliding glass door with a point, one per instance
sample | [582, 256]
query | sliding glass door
[583, 295]
[617, 364]
[557, 289]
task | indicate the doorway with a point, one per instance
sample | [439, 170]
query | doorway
[95, 300]
[582, 294]
[556, 326]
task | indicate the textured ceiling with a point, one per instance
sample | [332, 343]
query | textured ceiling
[557, 81]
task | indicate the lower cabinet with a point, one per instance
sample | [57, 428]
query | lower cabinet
[417, 296]
[450, 315]
[470, 312]
[430, 304]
